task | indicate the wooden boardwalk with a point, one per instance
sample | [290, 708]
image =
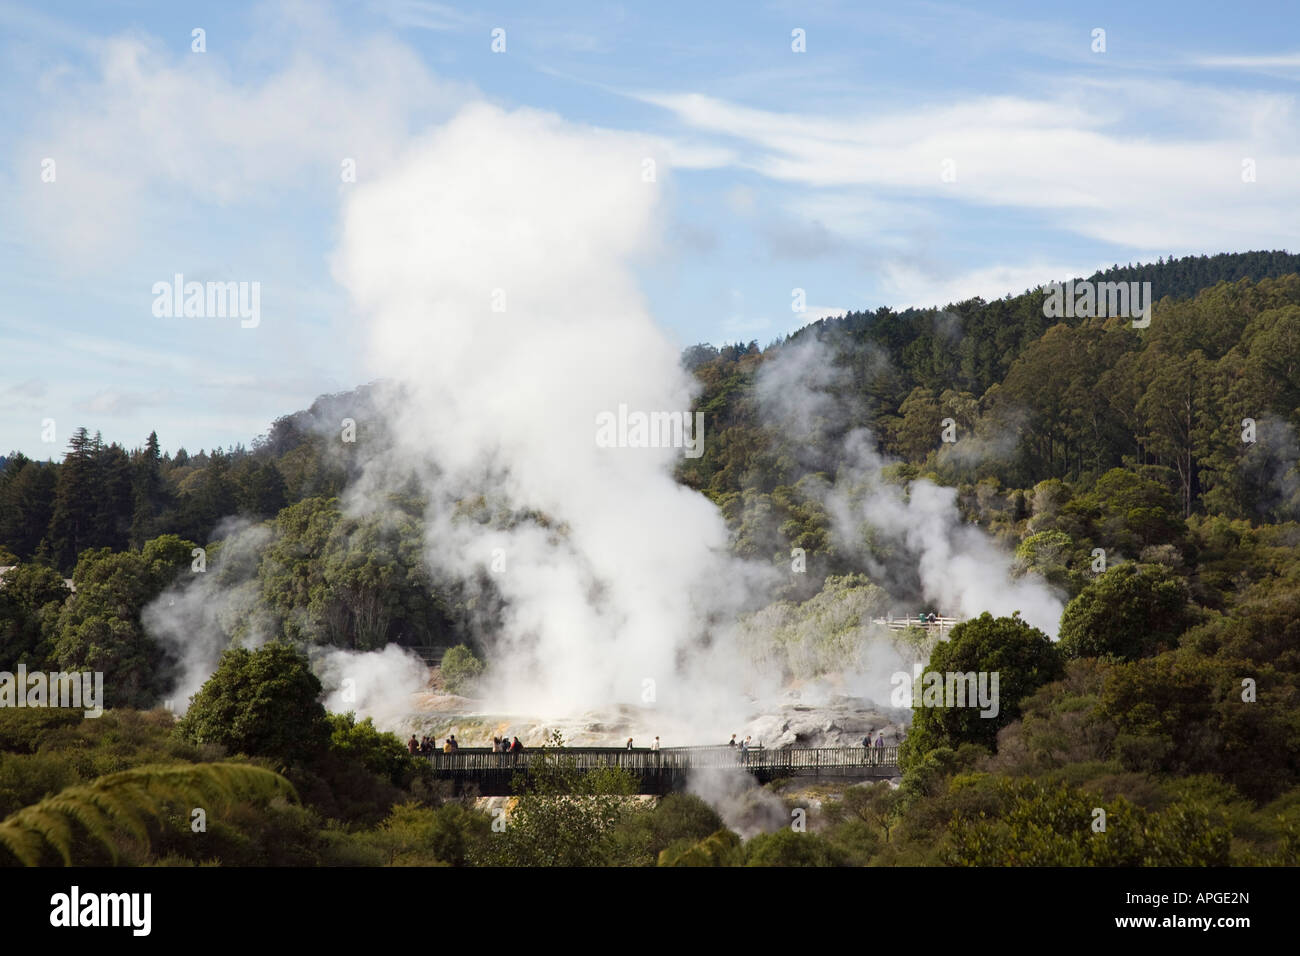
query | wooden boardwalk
[493, 774]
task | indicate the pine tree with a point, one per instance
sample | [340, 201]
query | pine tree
[149, 492]
[71, 527]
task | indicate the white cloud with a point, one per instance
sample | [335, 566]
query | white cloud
[907, 286]
[1096, 168]
[1256, 62]
[150, 128]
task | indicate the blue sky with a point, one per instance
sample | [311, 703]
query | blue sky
[913, 154]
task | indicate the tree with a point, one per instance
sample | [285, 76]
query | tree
[460, 668]
[379, 752]
[262, 703]
[1022, 657]
[1131, 611]
[99, 629]
[680, 819]
[30, 599]
[1180, 713]
[149, 492]
[787, 848]
[26, 503]
[1038, 824]
[563, 816]
[413, 835]
[71, 527]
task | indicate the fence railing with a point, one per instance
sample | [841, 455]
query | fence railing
[796, 761]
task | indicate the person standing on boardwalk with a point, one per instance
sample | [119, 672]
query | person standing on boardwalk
[629, 743]
[880, 748]
[412, 745]
[732, 742]
[655, 746]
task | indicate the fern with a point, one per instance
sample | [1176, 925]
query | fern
[131, 800]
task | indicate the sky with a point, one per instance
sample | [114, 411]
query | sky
[845, 156]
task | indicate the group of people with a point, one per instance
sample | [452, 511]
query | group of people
[743, 745]
[654, 748]
[424, 746]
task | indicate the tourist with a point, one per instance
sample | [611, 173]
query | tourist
[446, 746]
[880, 748]
[516, 746]
[412, 744]
[732, 743]
[629, 743]
[454, 745]
[653, 747]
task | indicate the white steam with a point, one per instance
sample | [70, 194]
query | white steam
[494, 267]
[542, 221]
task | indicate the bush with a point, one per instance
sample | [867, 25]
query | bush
[1131, 611]
[263, 703]
[460, 668]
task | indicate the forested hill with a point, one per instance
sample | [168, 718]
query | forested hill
[1037, 398]
[1183, 278]
[1032, 402]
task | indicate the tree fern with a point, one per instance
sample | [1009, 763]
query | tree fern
[130, 800]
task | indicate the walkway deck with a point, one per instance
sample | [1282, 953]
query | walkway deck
[493, 774]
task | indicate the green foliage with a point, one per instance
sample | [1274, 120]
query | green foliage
[99, 629]
[460, 669]
[563, 817]
[31, 597]
[1131, 611]
[678, 819]
[263, 703]
[721, 848]
[788, 848]
[348, 582]
[132, 801]
[1039, 825]
[1185, 714]
[413, 835]
[379, 752]
[1023, 657]
[828, 633]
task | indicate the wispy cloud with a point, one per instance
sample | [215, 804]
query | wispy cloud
[1266, 61]
[424, 15]
[1082, 164]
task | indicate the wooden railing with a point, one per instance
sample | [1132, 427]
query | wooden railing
[666, 768]
[942, 624]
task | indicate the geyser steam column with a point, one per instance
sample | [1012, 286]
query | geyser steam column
[493, 267]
